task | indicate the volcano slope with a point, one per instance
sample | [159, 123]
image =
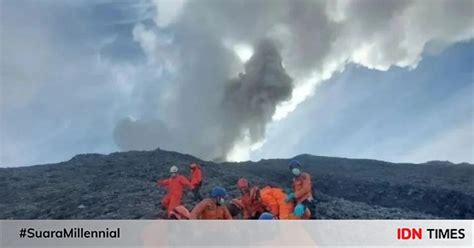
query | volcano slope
[122, 186]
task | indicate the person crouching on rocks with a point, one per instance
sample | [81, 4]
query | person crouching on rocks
[302, 194]
[212, 208]
[251, 209]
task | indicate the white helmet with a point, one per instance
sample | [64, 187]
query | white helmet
[174, 169]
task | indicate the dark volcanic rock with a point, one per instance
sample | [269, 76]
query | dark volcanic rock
[122, 186]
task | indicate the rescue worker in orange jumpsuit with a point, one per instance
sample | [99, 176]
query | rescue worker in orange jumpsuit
[196, 180]
[175, 185]
[213, 208]
[274, 201]
[302, 189]
[251, 209]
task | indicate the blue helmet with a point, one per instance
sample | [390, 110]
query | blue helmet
[218, 192]
[266, 216]
[294, 164]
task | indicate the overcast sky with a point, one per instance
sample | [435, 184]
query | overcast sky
[237, 80]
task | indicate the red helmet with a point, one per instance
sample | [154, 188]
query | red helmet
[243, 183]
[180, 213]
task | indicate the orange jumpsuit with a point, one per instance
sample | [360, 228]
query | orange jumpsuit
[196, 181]
[175, 186]
[274, 200]
[196, 175]
[302, 187]
[208, 209]
[250, 208]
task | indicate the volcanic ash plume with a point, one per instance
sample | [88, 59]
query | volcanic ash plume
[251, 99]
[209, 115]
[247, 105]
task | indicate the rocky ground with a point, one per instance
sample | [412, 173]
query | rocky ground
[122, 186]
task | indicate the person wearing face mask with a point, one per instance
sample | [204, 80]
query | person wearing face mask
[302, 188]
[175, 185]
[213, 208]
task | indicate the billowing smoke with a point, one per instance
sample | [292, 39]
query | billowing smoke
[240, 108]
[209, 103]
[250, 100]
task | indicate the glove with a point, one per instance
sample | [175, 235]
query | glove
[290, 197]
[299, 210]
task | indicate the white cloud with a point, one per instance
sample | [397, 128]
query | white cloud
[243, 51]
[242, 149]
[396, 37]
[147, 39]
[167, 11]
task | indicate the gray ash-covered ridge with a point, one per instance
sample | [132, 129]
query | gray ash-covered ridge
[122, 186]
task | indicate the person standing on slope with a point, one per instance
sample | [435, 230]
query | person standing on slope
[175, 185]
[196, 180]
[212, 208]
[302, 188]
